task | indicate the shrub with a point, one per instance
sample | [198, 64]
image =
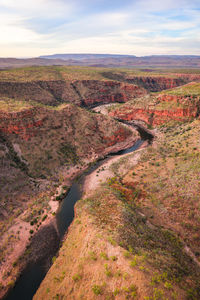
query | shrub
[114, 258]
[126, 254]
[134, 262]
[53, 259]
[76, 277]
[107, 271]
[97, 289]
[93, 255]
[44, 217]
[116, 292]
[104, 255]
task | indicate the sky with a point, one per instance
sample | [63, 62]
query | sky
[30, 28]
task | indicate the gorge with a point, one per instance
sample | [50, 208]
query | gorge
[128, 224]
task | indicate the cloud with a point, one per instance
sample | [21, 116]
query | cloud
[134, 44]
[31, 8]
[142, 27]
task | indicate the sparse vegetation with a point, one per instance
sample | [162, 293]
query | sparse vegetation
[134, 227]
[97, 289]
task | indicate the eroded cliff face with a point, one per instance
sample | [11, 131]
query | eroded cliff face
[161, 109]
[48, 138]
[101, 92]
[41, 149]
[157, 117]
[24, 124]
[80, 92]
[156, 84]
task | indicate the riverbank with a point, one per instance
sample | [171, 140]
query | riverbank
[26, 245]
[115, 248]
[107, 169]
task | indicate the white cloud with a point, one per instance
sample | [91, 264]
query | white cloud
[144, 27]
[14, 32]
[36, 8]
[126, 42]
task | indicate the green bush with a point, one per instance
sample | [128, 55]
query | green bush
[97, 289]
[76, 277]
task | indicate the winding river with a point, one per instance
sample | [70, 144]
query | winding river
[32, 276]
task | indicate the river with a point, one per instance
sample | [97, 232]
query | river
[28, 283]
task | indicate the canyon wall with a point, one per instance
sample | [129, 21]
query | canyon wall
[153, 82]
[80, 92]
[179, 108]
[156, 84]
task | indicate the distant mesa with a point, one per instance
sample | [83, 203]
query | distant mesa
[85, 56]
[106, 60]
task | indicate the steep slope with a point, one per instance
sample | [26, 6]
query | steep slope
[168, 175]
[84, 86]
[152, 81]
[46, 141]
[156, 84]
[83, 93]
[115, 251]
[180, 104]
[42, 148]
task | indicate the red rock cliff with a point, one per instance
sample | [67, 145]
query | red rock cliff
[79, 92]
[183, 108]
[158, 83]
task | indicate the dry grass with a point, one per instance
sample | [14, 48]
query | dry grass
[107, 254]
[169, 175]
[78, 73]
[11, 105]
[191, 89]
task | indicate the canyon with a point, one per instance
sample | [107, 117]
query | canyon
[129, 227]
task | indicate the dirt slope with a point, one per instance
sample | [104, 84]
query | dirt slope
[42, 148]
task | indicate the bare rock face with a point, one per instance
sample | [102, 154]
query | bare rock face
[166, 107]
[40, 143]
[43, 131]
[101, 92]
[80, 92]
[23, 124]
[159, 83]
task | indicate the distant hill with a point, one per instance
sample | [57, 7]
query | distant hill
[106, 60]
[115, 60]
[85, 56]
[17, 62]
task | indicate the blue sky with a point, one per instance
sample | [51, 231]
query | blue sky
[145, 27]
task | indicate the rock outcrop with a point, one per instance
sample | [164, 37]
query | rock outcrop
[157, 117]
[88, 133]
[81, 92]
[157, 83]
[161, 109]
[101, 92]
